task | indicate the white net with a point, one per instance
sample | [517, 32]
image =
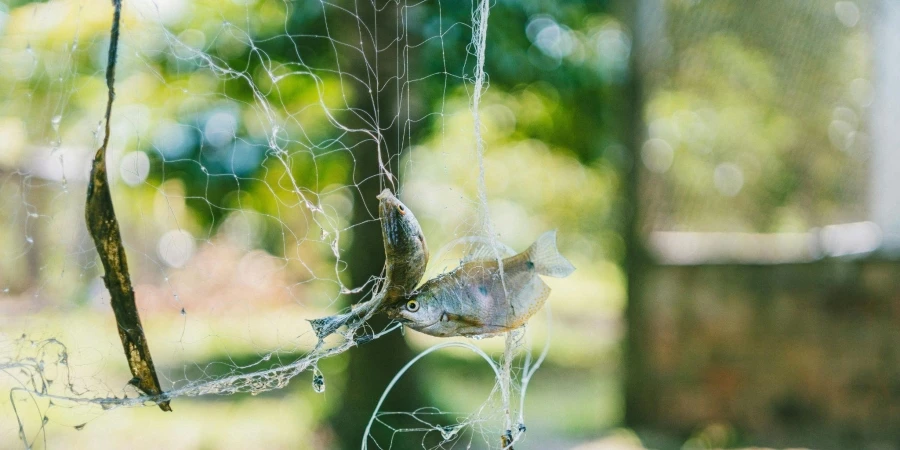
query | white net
[246, 138]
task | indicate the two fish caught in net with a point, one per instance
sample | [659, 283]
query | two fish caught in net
[481, 297]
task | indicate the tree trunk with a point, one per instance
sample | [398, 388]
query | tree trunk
[373, 365]
[646, 18]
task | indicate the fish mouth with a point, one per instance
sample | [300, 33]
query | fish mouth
[418, 326]
[403, 320]
[390, 202]
[399, 317]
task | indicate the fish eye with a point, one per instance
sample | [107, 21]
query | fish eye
[401, 209]
[412, 306]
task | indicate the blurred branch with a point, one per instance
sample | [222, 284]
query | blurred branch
[104, 229]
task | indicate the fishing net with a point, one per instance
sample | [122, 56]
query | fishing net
[243, 138]
[759, 123]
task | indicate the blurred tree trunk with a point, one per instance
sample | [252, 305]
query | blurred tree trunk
[646, 20]
[373, 365]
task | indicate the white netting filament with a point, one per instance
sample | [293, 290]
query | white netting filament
[234, 150]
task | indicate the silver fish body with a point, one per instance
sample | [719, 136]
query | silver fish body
[474, 299]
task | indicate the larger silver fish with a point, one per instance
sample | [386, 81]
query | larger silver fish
[475, 300]
[406, 255]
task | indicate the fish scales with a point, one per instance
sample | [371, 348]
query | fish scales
[477, 299]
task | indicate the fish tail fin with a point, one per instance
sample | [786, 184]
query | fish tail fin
[546, 258]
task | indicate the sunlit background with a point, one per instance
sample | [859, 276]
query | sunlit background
[734, 163]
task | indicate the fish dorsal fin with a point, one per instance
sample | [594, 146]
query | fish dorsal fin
[465, 249]
[483, 249]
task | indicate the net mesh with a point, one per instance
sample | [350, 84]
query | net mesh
[241, 135]
[757, 118]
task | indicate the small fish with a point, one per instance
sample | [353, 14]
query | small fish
[405, 250]
[475, 300]
[406, 255]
